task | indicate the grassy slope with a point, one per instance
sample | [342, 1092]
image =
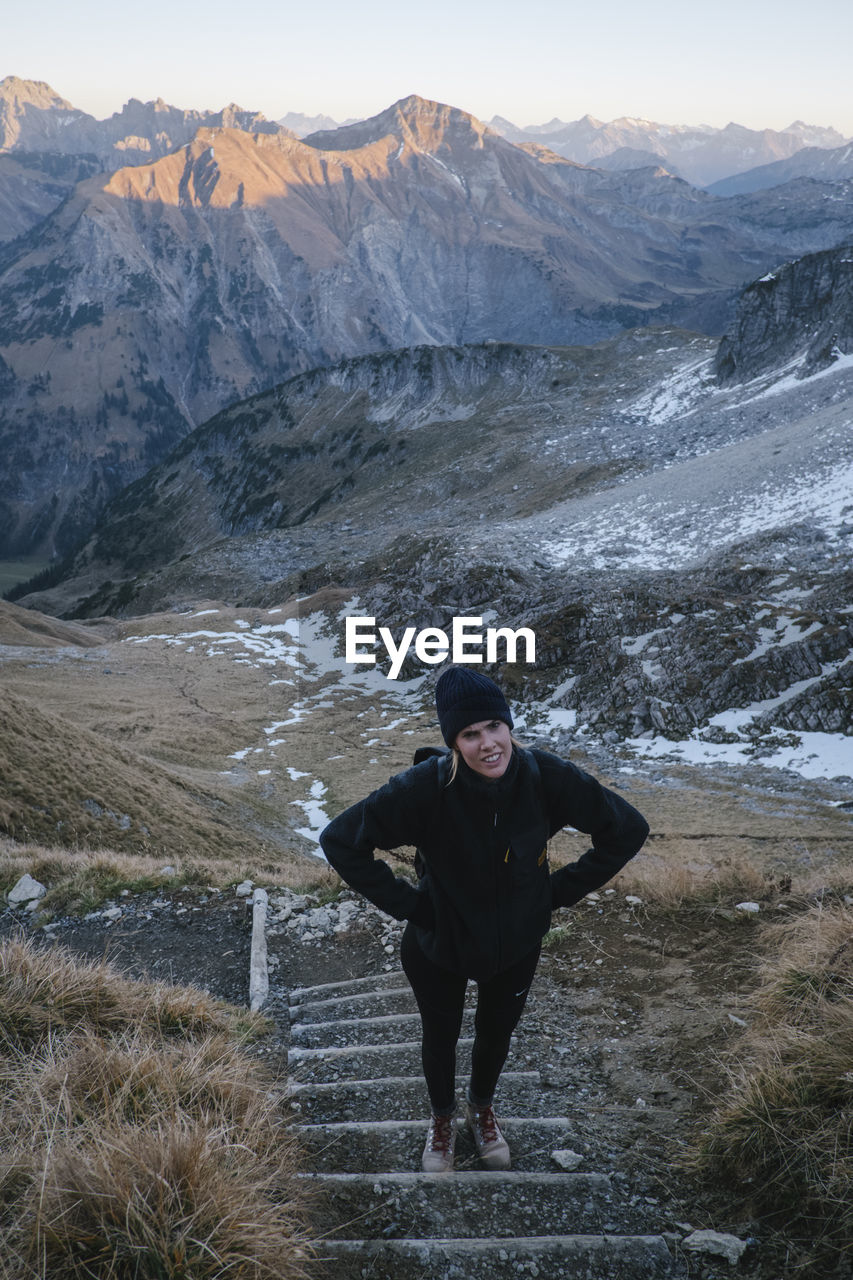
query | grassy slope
[137, 1137]
[67, 785]
[783, 1131]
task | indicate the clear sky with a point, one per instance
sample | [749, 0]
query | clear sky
[762, 63]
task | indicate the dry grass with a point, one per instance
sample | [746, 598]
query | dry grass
[65, 783]
[784, 1133]
[816, 971]
[81, 880]
[663, 882]
[43, 993]
[136, 1077]
[669, 886]
[138, 1138]
[180, 1200]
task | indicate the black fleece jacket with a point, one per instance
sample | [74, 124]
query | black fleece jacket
[486, 891]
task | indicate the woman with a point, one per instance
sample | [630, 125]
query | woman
[481, 817]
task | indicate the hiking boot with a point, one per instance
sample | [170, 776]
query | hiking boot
[491, 1145]
[441, 1140]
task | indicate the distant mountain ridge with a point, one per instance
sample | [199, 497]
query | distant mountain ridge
[301, 125]
[34, 118]
[700, 154]
[824, 165]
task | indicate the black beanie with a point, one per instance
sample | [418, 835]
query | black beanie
[464, 697]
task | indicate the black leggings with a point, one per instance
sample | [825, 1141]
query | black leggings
[441, 999]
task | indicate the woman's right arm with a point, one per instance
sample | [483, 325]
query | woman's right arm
[386, 819]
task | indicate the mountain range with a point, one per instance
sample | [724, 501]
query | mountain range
[673, 517]
[412, 368]
[35, 119]
[160, 292]
[427, 433]
[700, 154]
[47, 144]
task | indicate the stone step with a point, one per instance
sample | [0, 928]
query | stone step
[375, 1146]
[363, 1004]
[326, 1063]
[351, 986]
[590, 1257]
[468, 1203]
[392, 1097]
[388, 1029]
[367, 1061]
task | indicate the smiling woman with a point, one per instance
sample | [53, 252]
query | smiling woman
[486, 747]
[481, 820]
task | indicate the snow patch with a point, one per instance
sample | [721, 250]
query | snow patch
[784, 633]
[654, 532]
[811, 754]
[675, 395]
[315, 813]
[790, 381]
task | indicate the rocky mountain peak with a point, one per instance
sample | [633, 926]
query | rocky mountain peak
[417, 122]
[586, 122]
[556, 123]
[34, 93]
[500, 123]
[32, 113]
[34, 118]
[816, 135]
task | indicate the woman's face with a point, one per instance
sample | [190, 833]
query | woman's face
[486, 747]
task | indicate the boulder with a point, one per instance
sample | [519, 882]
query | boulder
[25, 891]
[717, 1244]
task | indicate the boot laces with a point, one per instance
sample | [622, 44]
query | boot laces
[441, 1134]
[487, 1124]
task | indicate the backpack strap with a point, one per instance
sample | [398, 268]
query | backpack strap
[443, 772]
[530, 757]
[425, 753]
[540, 795]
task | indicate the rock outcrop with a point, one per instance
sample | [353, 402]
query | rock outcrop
[799, 314]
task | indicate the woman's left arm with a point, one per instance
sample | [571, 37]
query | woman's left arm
[618, 830]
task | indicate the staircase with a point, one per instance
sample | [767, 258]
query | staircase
[360, 1107]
